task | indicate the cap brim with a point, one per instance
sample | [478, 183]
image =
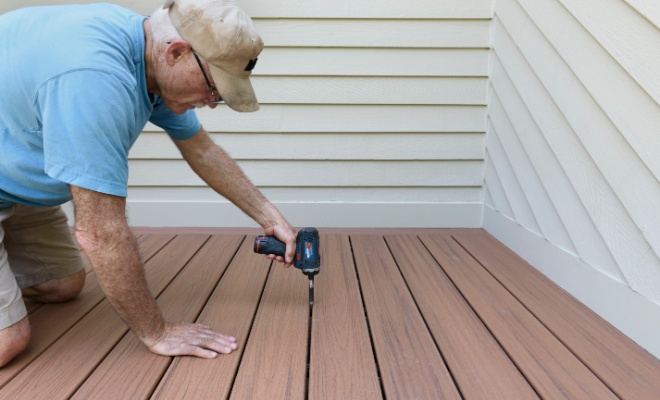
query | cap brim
[236, 92]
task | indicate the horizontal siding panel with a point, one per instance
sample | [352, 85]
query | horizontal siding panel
[367, 9]
[344, 118]
[315, 8]
[305, 61]
[375, 33]
[370, 90]
[319, 173]
[613, 184]
[320, 215]
[414, 9]
[318, 194]
[326, 146]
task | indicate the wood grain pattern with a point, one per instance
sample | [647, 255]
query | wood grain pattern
[231, 308]
[410, 364]
[399, 314]
[628, 370]
[342, 364]
[130, 362]
[275, 358]
[51, 321]
[550, 368]
[89, 340]
[474, 357]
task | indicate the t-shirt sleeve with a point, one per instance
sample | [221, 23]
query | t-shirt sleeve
[87, 117]
[178, 126]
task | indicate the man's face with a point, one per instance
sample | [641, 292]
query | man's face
[188, 83]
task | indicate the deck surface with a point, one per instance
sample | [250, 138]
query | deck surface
[399, 314]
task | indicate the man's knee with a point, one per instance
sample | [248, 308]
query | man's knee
[57, 290]
[13, 340]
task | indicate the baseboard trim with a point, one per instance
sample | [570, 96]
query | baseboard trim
[322, 215]
[631, 313]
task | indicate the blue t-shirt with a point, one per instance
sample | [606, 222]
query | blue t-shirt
[73, 100]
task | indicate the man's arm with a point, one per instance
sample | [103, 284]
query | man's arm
[103, 233]
[221, 173]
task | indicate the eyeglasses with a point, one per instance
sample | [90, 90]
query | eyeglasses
[216, 99]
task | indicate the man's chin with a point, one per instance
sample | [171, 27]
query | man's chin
[177, 110]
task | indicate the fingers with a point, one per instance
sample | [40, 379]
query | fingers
[290, 252]
[279, 259]
[287, 234]
[193, 339]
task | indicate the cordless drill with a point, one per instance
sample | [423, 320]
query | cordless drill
[307, 257]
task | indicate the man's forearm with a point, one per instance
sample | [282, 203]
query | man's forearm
[103, 233]
[121, 276]
[221, 173]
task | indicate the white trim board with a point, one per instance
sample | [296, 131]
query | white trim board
[318, 214]
[631, 313]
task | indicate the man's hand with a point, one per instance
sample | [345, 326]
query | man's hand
[102, 231]
[192, 340]
[285, 233]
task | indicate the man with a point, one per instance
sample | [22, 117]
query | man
[77, 86]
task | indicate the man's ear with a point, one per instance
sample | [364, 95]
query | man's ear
[175, 51]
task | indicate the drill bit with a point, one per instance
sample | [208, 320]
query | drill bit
[311, 291]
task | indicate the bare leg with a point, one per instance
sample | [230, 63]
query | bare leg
[56, 290]
[13, 340]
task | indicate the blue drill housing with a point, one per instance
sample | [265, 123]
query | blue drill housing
[307, 257]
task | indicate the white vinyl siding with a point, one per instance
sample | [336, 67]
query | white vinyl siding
[573, 148]
[372, 114]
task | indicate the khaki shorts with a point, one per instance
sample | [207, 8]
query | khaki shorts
[36, 245]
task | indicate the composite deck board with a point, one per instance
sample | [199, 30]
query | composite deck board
[424, 314]
[274, 363]
[626, 368]
[553, 371]
[230, 310]
[51, 321]
[62, 368]
[130, 362]
[410, 364]
[474, 357]
[342, 364]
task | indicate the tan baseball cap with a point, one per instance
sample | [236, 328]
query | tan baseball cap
[221, 33]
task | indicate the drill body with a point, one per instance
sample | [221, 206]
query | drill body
[307, 257]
